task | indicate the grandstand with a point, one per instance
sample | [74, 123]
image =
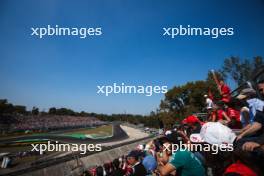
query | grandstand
[25, 130]
[46, 123]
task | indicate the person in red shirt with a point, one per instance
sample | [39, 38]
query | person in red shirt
[225, 91]
[234, 114]
[194, 124]
[220, 114]
[192, 119]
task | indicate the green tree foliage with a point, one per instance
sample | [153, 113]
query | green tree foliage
[20, 109]
[9, 108]
[240, 70]
[63, 111]
[182, 101]
[35, 111]
[5, 107]
[52, 111]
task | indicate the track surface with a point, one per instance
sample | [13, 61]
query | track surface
[118, 134]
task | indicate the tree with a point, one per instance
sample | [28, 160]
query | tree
[20, 109]
[240, 70]
[5, 107]
[35, 111]
[65, 111]
[181, 101]
[52, 111]
[3, 101]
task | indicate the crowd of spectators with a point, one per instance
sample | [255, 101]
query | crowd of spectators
[232, 121]
[51, 122]
[10, 159]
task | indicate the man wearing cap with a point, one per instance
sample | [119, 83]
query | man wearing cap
[246, 115]
[193, 122]
[137, 166]
[255, 111]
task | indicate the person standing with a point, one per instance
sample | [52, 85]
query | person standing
[209, 102]
[225, 91]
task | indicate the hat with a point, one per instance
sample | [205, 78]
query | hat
[245, 93]
[149, 163]
[168, 132]
[191, 120]
[174, 137]
[134, 154]
[140, 147]
[241, 169]
[217, 133]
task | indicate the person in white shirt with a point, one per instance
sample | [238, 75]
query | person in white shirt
[209, 102]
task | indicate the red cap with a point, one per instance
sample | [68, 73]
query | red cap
[241, 169]
[191, 120]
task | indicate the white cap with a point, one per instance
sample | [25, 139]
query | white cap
[217, 133]
[168, 132]
[140, 147]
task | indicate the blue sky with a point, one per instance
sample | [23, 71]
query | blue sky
[64, 71]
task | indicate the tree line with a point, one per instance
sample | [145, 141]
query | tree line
[179, 102]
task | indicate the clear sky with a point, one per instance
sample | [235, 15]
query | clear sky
[64, 71]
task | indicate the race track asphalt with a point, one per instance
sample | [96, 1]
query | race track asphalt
[118, 134]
